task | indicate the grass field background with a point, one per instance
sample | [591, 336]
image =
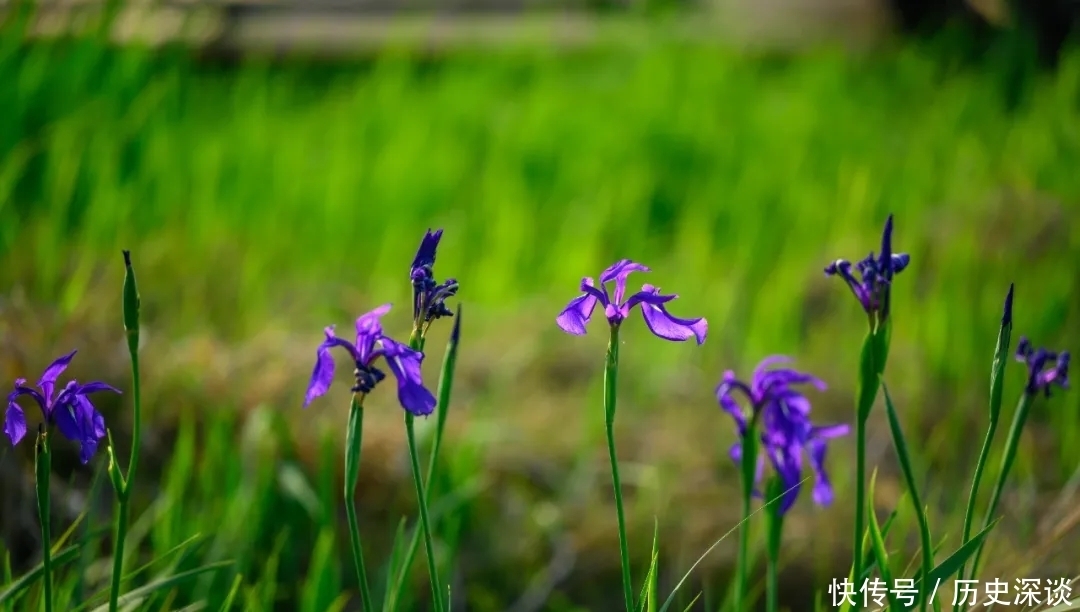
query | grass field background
[263, 201]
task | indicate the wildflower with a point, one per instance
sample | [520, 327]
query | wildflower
[576, 315]
[371, 344]
[1039, 377]
[875, 275]
[429, 297]
[786, 431]
[70, 410]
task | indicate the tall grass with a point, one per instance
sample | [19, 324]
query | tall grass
[244, 188]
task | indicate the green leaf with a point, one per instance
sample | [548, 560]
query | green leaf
[692, 602]
[950, 566]
[900, 444]
[878, 546]
[142, 593]
[227, 604]
[647, 598]
[61, 558]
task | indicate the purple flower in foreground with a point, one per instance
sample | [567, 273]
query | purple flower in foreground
[1045, 368]
[429, 297]
[70, 410]
[875, 275]
[371, 344]
[783, 414]
[576, 315]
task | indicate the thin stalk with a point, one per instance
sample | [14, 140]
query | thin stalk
[997, 383]
[353, 439]
[1012, 445]
[860, 498]
[446, 380]
[43, 469]
[772, 583]
[744, 552]
[421, 498]
[969, 514]
[121, 483]
[773, 539]
[119, 536]
[747, 474]
[611, 375]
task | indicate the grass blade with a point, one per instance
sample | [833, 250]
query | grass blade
[140, 594]
[950, 566]
[878, 546]
[63, 557]
[900, 444]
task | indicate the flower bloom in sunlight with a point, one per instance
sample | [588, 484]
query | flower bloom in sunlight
[371, 344]
[875, 275]
[783, 414]
[429, 297]
[70, 410]
[1045, 368]
[576, 315]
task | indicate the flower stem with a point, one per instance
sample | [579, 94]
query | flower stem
[744, 551]
[43, 469]
[418, 478]
[611, 374]
[118, 550]
[747, 477]
[1012, 444]
[123, 484]
[969, 514]
[860, 501]
[774, 537]
[352, 474]
[446, 380]
[772, 581]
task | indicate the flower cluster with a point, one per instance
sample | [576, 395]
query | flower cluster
[1045, 368]
[70, 409]
[404, 362]
[782, 413]
[875, 276]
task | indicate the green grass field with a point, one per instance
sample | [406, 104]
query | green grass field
[264, 201]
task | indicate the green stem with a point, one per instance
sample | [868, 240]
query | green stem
[611, 375]
[446, 380]
[741, 562]
[969, 514]
[1012, 445]
[747, 476]
[353, 439]
[43, 469]
[421, 498]
[119, 537]
[774, 537]
[860, 499]
[123, 493]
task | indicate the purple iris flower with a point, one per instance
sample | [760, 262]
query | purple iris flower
[429, 297]
[786, 431]
[70, 410]
[875, 275]
[371, 344]
[576, 315]
[1045, 368]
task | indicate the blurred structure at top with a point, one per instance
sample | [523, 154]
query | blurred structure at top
[344, 26]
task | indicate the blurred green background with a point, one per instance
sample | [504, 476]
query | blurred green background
[264, 198]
